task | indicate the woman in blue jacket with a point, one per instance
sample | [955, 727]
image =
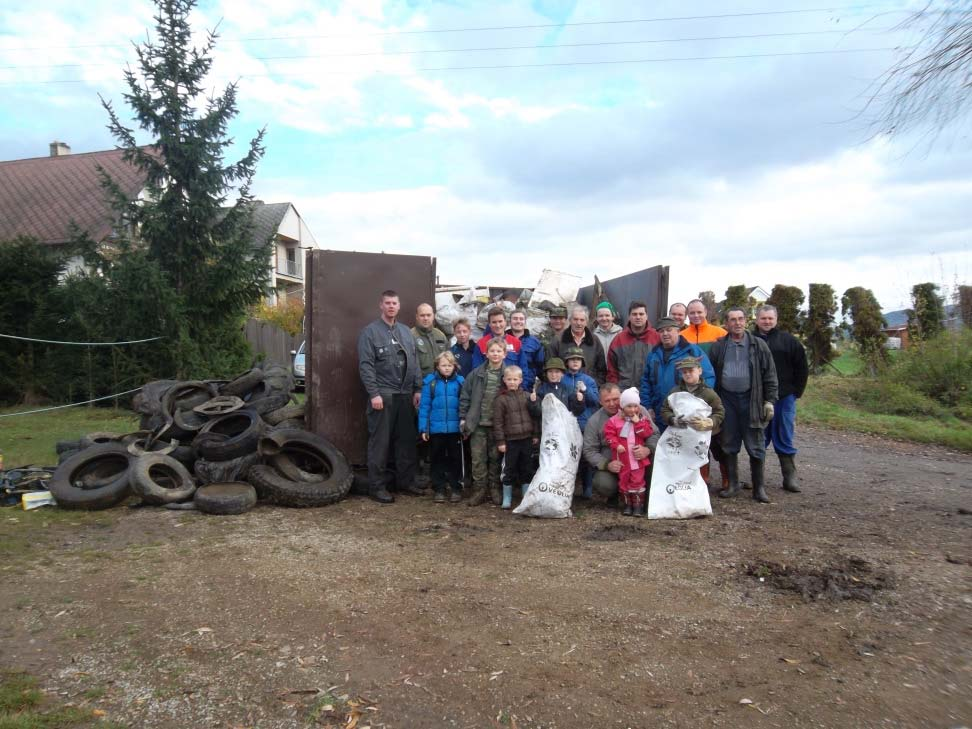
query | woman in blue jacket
[439, 426]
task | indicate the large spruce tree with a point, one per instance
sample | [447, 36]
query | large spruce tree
[187, 223]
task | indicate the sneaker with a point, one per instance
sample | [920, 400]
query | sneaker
[456, 496]
[439, 497]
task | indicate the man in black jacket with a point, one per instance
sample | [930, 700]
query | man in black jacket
[746, 383]
[791, 371]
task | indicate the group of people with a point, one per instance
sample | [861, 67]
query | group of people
[474, 406]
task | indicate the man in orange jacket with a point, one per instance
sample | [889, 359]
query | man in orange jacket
[699, 331]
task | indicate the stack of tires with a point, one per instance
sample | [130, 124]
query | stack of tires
[216, 446]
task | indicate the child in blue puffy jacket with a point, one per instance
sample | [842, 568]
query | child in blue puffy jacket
[439, 426]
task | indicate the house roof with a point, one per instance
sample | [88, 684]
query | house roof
[266, 220]
[40, 197]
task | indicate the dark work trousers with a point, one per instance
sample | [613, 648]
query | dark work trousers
[518, 462]
[391, 431]
[446, 455]
[736, 431]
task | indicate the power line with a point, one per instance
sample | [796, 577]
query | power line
[72, 405]
[781, 54]
[81, 344]
[750, 36]
[535, 26]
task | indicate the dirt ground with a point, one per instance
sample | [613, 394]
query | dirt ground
[849, 605]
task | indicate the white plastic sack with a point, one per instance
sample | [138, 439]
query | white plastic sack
[678, 490]
[556, 287]
[552, 488]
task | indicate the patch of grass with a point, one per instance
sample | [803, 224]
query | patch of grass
[22, 706]
[24, 534]
[325, 703]
[94, 693]
[30, 439]
[835, 402]
[18, 691]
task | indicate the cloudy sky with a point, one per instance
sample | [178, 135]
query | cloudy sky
[724, 138]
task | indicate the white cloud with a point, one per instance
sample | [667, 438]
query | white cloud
[840, 222]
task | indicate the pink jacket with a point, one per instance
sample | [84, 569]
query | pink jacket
[636, 436]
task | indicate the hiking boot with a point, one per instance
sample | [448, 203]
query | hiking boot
[788, 467]
[380, 494]
[496, 496]
[731, 465]
[455, 496]
[414, 490]
[759, 487]
[628, 511]
[476, 497]
[439, 497]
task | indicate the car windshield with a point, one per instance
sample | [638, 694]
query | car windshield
[301, 349]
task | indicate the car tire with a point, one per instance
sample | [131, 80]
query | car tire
[235, 469]
[242, 384]
[94, 478]
[160, 479]
[225, 498]
[243, 429]
[287, 412]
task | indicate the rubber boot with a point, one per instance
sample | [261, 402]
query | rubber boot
[639, 506]
[788, 467]
[477, 496]
[724, 474]
[523, 490]
[496, 495]
[627, 505]
[704, 473]
[380, 494]
[507, 495]
[731, 465]
[759, 486]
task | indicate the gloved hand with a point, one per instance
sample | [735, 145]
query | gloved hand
[700, 423]
[768, 411]
[679, 421]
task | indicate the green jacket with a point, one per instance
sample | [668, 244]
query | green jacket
[703, 392]
[471, 397]
[429, 343]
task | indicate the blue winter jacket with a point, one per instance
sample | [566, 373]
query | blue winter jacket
[532, 357]
[660, 375]
[439, 406]
[592, 401]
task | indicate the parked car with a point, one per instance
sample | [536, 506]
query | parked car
[298, 368]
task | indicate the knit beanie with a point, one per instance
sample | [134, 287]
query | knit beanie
[630, 397]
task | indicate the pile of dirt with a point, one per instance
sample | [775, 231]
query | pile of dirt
[850, 578]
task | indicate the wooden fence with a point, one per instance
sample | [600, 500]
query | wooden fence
[271, 341]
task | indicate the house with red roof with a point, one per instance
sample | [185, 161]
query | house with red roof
[47, 198]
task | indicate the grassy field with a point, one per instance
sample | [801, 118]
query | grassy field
[30, 439]
[827, 402]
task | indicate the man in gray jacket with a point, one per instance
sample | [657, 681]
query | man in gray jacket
[596, 450]
[746, 382]
[390, 373]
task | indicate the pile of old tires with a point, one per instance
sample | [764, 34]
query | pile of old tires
[217, 446]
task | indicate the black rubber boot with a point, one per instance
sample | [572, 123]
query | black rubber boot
[788, 467]
[759, 486]
[380, 494]
[731, 466]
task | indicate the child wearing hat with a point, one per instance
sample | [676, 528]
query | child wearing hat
[623, 431]
[690, 371]
[581, 382]
[554, 370]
